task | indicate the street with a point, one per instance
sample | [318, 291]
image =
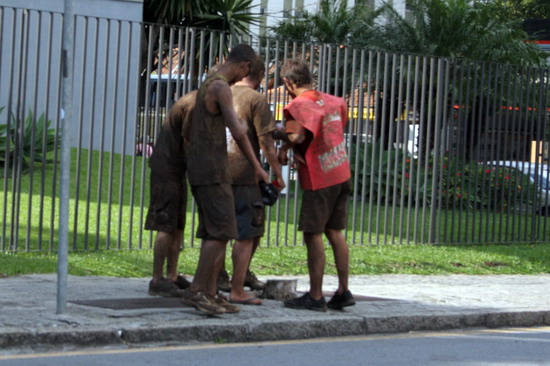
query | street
[511, 346]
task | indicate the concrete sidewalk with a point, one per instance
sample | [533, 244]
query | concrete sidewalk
[118, 312]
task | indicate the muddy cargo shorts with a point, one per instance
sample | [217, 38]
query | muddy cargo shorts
[167, 203]
[249, 210]
[216, 209]
[325, 208]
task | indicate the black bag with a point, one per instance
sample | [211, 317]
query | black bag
[269, 193]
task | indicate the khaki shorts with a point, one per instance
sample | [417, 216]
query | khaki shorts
[216, 210]
[167, 204]
[249, 211]
[325, 208]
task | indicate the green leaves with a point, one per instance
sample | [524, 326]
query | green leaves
[30, 140]
[170, 11]
[334, 23]
[518, 9]
[447, 28]
[460, 29]
[386, 174]
[234, 16]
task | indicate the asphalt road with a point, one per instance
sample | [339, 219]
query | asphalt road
[513, 346]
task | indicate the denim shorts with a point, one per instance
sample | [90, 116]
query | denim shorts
[249, 210]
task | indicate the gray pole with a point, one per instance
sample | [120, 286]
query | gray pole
[67, 59]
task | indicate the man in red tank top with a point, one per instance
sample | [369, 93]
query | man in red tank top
[315, 123]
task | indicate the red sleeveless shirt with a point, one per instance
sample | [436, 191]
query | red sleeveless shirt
[325, 116]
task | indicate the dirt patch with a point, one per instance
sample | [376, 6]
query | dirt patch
[495, 264]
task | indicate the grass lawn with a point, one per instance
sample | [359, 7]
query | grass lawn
[109, 196]
[373, 260]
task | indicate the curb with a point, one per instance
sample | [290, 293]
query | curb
[239, 332]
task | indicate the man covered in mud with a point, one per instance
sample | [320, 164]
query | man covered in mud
[210, 179]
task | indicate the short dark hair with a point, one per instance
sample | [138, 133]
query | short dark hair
[241, 53]
[296, 71]
[257, 68]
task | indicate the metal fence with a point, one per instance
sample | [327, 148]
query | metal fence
[443, 151]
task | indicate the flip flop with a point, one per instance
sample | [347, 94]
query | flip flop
[250, 301]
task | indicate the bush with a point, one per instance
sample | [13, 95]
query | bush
[394, 177]
[386, 174]
[37, 138]
[474, 185]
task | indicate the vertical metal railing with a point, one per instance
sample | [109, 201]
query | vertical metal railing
[435, 143]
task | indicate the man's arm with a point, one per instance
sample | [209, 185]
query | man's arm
[295, 135]
[267, 144]
[224, 98]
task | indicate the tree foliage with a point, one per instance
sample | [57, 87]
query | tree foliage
[233, 16]
[228, 17]
[460, 29]
[448, 28]
[173, 12]
[518, 10]
[333, 23]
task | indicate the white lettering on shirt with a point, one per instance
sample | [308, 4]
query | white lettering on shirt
[334, 157]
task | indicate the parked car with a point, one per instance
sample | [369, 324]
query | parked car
[539, 175]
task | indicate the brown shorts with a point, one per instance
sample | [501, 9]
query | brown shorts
[216, 210]
[249, 211]
[325, 208]
[167, 203]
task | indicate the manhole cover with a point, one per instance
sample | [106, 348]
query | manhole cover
[133, 303]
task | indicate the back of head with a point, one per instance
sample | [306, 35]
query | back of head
[257, 69]
[296, 71]
[241, 53]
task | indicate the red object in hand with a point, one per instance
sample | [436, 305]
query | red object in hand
[275, 183]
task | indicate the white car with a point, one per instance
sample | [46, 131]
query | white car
[539, 175]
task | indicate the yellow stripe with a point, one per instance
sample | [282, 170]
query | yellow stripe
[456, 333]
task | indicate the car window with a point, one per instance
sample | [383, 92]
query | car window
[542, 181]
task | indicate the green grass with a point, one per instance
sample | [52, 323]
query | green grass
[371, 260]
[109, 197]
[107, 207]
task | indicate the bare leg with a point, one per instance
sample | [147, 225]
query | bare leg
[341, 257]
[241, 255]
[223, 280]
[210, 261]
[222, 269]
[255, 245]
[161, 252]
[173, 255]
[315, 263]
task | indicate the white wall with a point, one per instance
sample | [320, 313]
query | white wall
[106, 57]
[116, 9]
